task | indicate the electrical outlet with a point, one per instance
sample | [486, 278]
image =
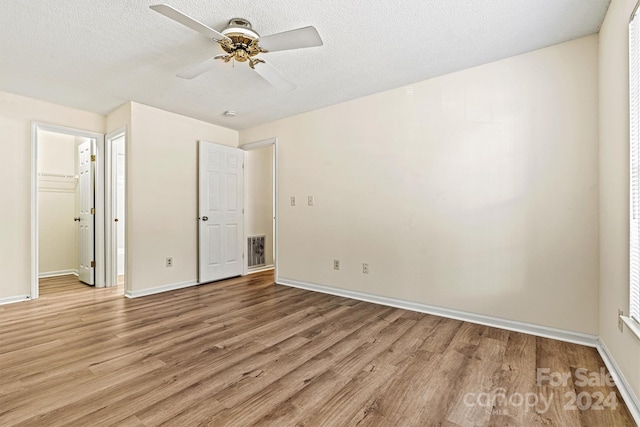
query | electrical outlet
[336, 264]
[293, 200]
[365, 268]
[169, 261]
[310, 200]
[620, 321]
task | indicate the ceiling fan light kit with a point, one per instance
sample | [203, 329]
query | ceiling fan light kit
[242, 44]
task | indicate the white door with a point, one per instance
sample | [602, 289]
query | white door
[120, 200]
[115, 207]
[220, 204]
[86, 263]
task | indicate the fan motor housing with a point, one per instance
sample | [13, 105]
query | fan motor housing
[244, 40]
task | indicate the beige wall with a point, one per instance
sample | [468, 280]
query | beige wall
[57, 232]
[56, 153]
[614, 189]
[162, 195]
[476, 191]
[119, 118]
[16, 114]
[258, 167]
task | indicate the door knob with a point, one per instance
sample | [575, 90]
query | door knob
[205, 218]
[77, 218]
[116, 220]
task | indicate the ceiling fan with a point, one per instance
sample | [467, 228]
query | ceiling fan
[241, 43]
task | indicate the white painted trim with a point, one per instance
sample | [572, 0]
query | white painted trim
[259, 269]
[57, 273]
[276, 221]
[258, 144]
[630, 398]
[496, 322]
[160, 289]
[35, 127]
[632, 325]
[99, 252]
[16, 298]
[34, 209]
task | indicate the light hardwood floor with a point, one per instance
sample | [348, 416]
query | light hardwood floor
[247, 352]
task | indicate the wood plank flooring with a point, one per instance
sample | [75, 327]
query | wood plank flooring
[246, 352]
[63, 285]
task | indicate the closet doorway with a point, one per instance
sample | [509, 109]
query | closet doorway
[65, 217]
[78, 207]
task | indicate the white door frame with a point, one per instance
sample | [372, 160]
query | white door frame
[254, 146]
[111, 255]
[99, 196]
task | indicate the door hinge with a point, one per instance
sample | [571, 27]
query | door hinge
[93, 157]
[243, 210]
[243, 256]
[93, 211]
[93, 264]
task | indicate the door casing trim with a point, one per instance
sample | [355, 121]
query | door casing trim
[99, 199]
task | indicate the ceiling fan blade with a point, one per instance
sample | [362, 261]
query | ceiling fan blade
[273, 76]
[197, 69]
[187, 21]
[293, 39]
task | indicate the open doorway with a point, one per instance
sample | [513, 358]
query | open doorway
[66, 210]
[58, 226]
[115, 177]
[72, 211]
[57, 204]
[260, 161]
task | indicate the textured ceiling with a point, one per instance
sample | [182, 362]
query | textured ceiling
[95, 55]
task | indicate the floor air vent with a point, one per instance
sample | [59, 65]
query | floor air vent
[256, 251]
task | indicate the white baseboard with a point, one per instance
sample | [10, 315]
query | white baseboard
[496, 322]
[259, 269]
[624, 388]
[15, 298]
[57, 273]
[160, 289]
